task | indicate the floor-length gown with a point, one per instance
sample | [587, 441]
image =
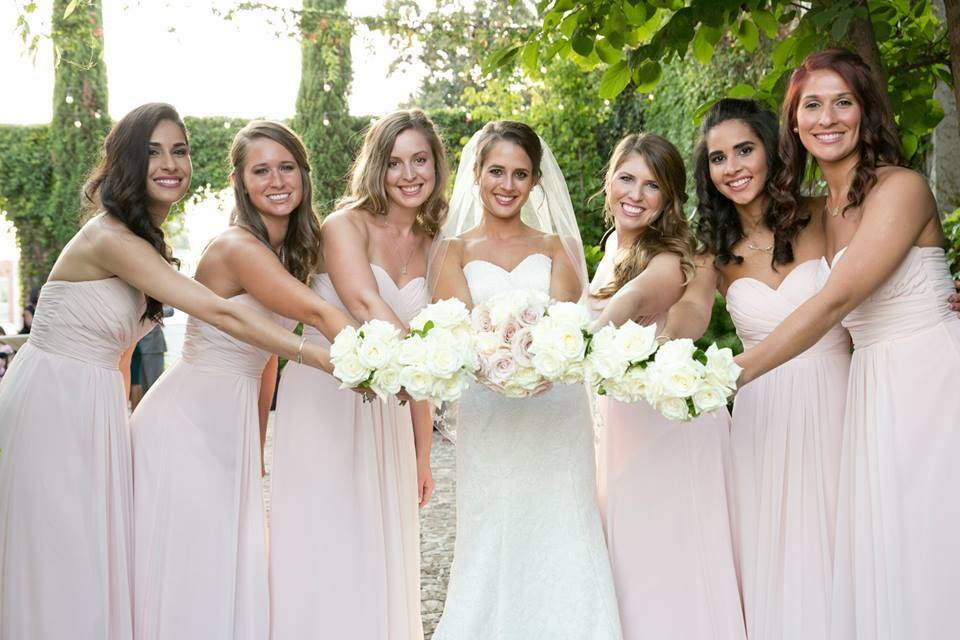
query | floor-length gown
[897, 566]
[786, 433]
[529, 561]
[663, 492]
[66, 485]
[201, 549]
[344, 523]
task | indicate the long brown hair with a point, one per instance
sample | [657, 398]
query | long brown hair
[118, 185]
[670, 232]
[878, 143]
[518, 133]
[300, 251]
[367, 183]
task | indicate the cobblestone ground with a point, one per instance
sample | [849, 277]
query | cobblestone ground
[437, 528]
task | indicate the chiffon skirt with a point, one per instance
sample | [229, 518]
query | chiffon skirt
[663, 489]
[344, 527]
[66, 503]
[786, 434]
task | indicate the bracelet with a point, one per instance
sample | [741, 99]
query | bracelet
[300, 350]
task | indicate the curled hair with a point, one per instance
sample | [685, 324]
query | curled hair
[118, 185]
[368, 176]
[719, 228]
[670, 232]
[878, 143]
[518, 133]
[300, 251]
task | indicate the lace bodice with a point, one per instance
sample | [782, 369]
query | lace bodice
[486, 279]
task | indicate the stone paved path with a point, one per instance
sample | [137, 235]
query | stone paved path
[437, 528]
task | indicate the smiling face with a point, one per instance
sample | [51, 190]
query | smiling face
[169, 167]
[411, 173]
[634, 196]
[828, 117]
[506, 179]
[737, 161]
[272, 178]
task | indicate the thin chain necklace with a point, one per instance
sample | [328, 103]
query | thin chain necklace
[833, 211]
[754, 247]
[413, 248]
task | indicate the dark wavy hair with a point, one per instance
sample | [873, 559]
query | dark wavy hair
[300, 251]
[719, 228]
[118, 185]
[878, 144]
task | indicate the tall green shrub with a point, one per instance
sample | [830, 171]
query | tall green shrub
[322, 116]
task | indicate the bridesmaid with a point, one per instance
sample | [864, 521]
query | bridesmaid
[786, 429]
[66, 484]
[348, 476]
[200, 546]
[662, 484]
[897, 560]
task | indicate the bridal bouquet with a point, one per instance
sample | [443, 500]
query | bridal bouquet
[504, 337]
[677, 379]
[559, 342]
[368, 357]
[439, 354]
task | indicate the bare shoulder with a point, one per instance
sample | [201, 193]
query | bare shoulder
[665, 260]
[345, 221]
[901, 185]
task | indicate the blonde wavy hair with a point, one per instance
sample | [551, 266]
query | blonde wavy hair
[300, 252]
[670, 231]
[367, 183]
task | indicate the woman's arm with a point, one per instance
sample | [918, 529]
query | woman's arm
[565, 285]
[690, 316]
[894, 215]
[124, 367]
[345, 254]
[133, 260]
[422, 415]
[256, 270]
[652, 292]
[448, 273]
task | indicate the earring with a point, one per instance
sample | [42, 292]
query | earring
[796, 130]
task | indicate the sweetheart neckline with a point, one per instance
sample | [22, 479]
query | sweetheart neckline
[833, 262]
[508, 271]
[777, 288]
[394, 282]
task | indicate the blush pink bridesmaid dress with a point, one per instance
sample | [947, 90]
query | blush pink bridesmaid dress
[663, 494]
[786, 433]
[201, 548]
[66, 485]
[897, 566]
[344, 523]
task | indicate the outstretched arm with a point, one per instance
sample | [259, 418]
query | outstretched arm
[894, 215]
[652, 292]
[136, 262]
[690, 316]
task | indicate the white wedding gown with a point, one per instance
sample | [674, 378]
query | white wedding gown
[529, 561]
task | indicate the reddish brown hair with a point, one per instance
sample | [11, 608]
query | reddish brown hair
[878, 144]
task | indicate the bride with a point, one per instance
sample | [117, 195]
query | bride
[529, 560]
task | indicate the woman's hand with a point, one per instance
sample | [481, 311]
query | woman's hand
[425, 483]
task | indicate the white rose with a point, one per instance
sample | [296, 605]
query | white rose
[529, 316]
[680, 379]
[574, 373]
[376, 352]
[570, 313]
[549, 363]
[379, 330]
[450, 389]
[673, 408]
[386, 381]
[417, 381]
[605, 339]
[674, 351]
[709, 398]
[350, 371]
[413, 350]
[527, 378]
[721, 368]
[345, 343]
[443, 361]
[635, 342]
[445, 314]
[501, 309]
[607, 363]
[487, 342]
[571, 343]
[521, 347]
